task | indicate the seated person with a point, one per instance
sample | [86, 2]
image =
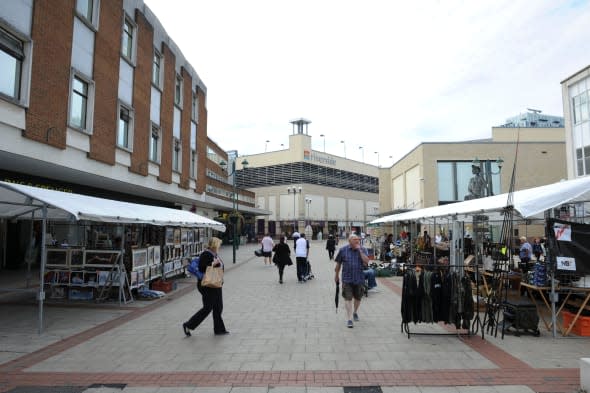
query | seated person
[371, 281]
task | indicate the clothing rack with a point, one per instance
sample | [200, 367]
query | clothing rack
[447, 295]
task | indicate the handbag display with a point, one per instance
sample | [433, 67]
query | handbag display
[213, 277]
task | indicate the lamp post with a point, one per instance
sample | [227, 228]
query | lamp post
[308, 204]
[488, 172]
[294, 190]
[234, 216]
[378, 163]
[362, 154]
[324, 137]
[266, 145]
[344, 144]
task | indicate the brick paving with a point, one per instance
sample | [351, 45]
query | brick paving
[285, 337]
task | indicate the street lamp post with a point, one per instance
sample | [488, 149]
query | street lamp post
[266, 145]
[378, 163]
[294, 190]
[324, 138]
[344, 144]
[234, 216]
[488, 172]
[308, 204]
[362, 154]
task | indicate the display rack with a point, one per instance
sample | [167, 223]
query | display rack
[452, 278]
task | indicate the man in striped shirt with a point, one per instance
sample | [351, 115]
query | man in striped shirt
[352, 259]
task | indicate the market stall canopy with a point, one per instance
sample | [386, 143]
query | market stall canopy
[527, 204]
[17, 201]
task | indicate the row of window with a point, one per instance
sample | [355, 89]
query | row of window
[581, 115]
[303, 172]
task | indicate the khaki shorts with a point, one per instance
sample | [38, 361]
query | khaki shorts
[352, 290]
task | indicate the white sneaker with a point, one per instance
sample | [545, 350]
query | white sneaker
[373, 290]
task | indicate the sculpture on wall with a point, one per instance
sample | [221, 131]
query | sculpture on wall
[477, 184]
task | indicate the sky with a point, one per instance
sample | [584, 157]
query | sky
[381, 75]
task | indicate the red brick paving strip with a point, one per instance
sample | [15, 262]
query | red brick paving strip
[511, 370]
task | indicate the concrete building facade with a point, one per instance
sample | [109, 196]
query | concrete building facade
[310, 191]
[576, 110]
[96, 98]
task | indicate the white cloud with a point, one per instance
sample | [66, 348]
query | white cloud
[386, 75]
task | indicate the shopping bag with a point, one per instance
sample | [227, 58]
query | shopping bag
[213, 277]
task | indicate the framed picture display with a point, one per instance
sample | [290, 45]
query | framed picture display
[103, 277]
[168, 267]
[184, 236]
[177, 236]
[140, 278]
[150, 257]
[154, 272]
[169, 236]
[57, 257]
[99, 257]
[177, 264]
[76, 257]
[156, 255]
[139, 258]
[191, 236]
[133, 280]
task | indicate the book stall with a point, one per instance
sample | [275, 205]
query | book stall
[92, 248]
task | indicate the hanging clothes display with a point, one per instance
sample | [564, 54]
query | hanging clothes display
[436, 295]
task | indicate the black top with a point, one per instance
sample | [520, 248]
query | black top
[283, 253]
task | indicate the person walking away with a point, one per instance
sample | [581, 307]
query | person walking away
[282, 256]
[212, 297]
[267, 245]
[537, 249]
[352, 260]
[301, 254]
[296, 235]
[331, 246]
[525, 253]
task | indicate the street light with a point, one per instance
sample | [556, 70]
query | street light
[294, 190]
[266, 145]
[344, 144]
[324, 137]
[362, 154]
[307, 204]
[234, 216]
[378, 163]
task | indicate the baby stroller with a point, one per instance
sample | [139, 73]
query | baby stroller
[308, 275]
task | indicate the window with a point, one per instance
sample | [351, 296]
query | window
[155, 144]
[11, 58]
[193, 163]
[195, 109]
[178, 91]
[193, 149]
[128, 44]
[156, 68]
[580, 107]
[79, 103]
[125, 127]
[176, 155]
[87, 10]
[583, 160]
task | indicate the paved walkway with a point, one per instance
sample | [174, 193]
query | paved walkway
[284, 338]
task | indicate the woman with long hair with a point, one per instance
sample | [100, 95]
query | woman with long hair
[282, 257]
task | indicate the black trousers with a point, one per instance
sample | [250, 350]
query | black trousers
[212, 301]
[331, 254]
[301, 267]
[281, 268]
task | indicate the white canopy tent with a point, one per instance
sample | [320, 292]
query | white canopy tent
[529, 203]
[17, 200]
[22, 202]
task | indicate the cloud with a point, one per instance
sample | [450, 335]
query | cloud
[385, 75]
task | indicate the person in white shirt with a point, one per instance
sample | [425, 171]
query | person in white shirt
[267, 246]
[301, 253]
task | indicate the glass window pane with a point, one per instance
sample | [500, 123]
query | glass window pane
[127, 47]
[156, 70]
[79, 103]
[463, 176]
[445, 181]
[84, 8]
[9, 75]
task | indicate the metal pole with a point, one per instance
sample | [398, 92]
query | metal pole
[41, 294]
[235, 217]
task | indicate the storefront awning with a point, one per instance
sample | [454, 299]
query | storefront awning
[17, 201]
[529, 203]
